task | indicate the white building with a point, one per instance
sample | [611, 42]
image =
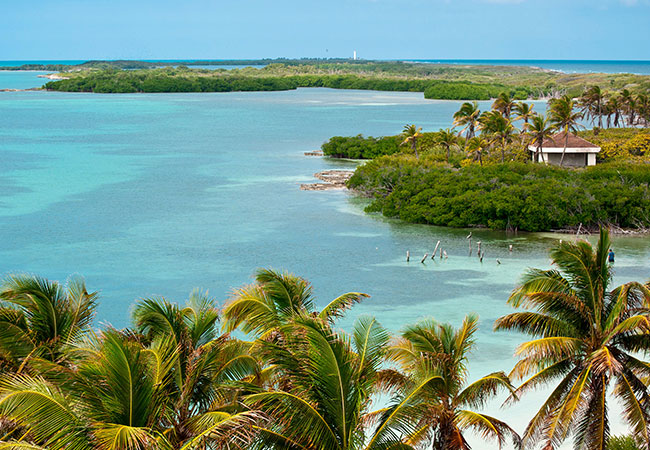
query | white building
[579, 152]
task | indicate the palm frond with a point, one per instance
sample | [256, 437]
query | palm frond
[337, 307]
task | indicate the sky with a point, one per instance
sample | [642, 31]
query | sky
[376, 29]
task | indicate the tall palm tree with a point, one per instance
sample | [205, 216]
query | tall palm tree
[275, 299]
[114, 398]
[627, 103]
[447, 138]
[499, 128]
[643, 108]
[39, 317]
[564, 118]
[592, 102]
[475, 148]
[210, 370]
[504, 104]
[615, 108]
[538, 131]
[586, 337]
[442, 408]
[524, 111]
[411, 134]
[467, 117]
[326, 380]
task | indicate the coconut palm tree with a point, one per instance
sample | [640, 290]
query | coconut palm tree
[475, 148]
[627, 104]
[563, 117]
[275, 299]
[447, 138]
[524, 111]
[326, 380]
[586, 338]
[615, 108]
[592, 102]
[538, 131]
[643, 108]
[467, 117]
[39, 317]
[498, 128]
[411, 134]
[210, 370]
[504, 104]
[114, 398]
[442, 409]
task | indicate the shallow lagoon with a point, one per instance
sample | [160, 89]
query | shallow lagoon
[157, 194]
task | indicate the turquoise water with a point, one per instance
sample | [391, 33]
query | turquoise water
[21, 79]
[155, 194]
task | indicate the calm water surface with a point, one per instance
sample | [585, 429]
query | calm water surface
[155, 194]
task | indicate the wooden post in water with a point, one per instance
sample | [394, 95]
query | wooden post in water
[482, 255]
[470, 246]
[478, 244]
[446, 255]
[424, 257]
[408, 255]
[440, 252]
[433, 255]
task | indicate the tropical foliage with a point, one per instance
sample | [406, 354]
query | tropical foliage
[516, 196]
[587, 336]
[175, 381]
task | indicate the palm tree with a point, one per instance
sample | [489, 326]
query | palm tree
[586, 337]
[592, 102]
[627, 104]
[411, 134]
[615, 107]
[326, 380]
[467, 117]
[475, 148]
[434, 386]
[539, 130]
[504, 104]
[209, 369]
[275, 299]
[643, 108]
[39, 317]
[499, 128]
[564, 118]
[524, 111]
[115, 398]
[447, 138]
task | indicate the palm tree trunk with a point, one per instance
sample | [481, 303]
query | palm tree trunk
[503, 150]
[566, 143]
[414, 147]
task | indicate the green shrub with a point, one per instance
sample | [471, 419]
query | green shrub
[527, 197]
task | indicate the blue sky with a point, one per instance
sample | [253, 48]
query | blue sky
[424, 29]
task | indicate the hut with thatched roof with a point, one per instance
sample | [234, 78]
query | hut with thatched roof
[579, 152]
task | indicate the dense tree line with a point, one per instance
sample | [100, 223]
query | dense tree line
[177, 379]
[530, 197]
[175, 80]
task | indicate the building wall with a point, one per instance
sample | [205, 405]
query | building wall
[570, 159]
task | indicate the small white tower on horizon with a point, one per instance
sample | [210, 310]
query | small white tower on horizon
[355, 55]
